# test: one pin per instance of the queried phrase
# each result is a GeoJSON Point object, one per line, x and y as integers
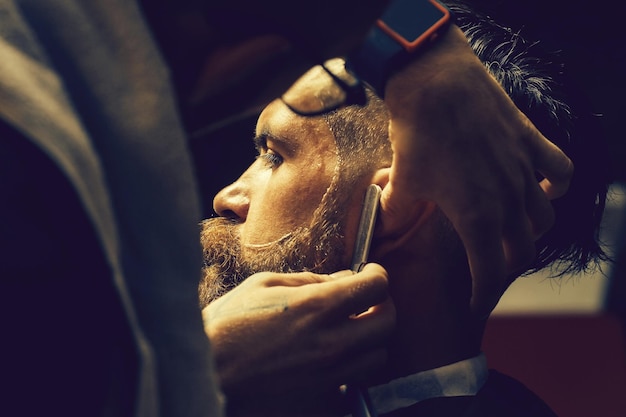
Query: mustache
{"type": "Point", "coordinates": [220, 240]}
{"type": "Point", "coordinates": [221, 253]}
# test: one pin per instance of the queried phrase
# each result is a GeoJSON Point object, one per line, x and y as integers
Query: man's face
{"type": "Point", "coordinates": [284, 186]}
{"type": "Point", "coordinates": [296, 208]}
{"type": "Point", "coordinates": [282, 214]}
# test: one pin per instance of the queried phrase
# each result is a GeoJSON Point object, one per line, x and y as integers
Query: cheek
{"type": "Point", "coordinates": [285, 201]}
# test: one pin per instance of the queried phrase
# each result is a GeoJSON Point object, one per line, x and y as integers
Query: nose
{"type": "Point", "coordinates": [232, 201]}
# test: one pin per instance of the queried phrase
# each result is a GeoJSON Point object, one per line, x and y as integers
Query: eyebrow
{"type": "Point", "coordinates": [260, 141]}
{"type": "Point", "coordinates": [284, 145]}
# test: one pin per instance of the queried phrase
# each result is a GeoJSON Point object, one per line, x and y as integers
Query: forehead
{"type": "Point", "coordinates": [313, 90]}
{"type": "Point", "coordinates": [293, 131]}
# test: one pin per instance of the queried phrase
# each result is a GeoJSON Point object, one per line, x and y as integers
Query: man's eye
{"type": "Point", "coordinates": [273, 160]}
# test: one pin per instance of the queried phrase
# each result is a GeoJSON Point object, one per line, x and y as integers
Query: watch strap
{"type": "Point", "coordinates": [406, 27]}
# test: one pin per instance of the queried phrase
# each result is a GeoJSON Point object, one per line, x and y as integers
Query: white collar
{"type": "Point", "coordinates": [461, 378]}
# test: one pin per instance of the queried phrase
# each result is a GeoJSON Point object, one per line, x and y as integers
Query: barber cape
{"type": "Point", "coordinates": [100, 256]}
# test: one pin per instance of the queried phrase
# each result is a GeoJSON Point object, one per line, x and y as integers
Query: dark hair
{"type": "Point", "coordinates": [537, 83]}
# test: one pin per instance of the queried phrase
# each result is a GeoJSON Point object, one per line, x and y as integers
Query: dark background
{"type": "Point", "coordinates": [591, 39]}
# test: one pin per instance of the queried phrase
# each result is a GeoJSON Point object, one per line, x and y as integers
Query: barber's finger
{"type": "Point", "coordinates": [296, 279]}
{"type": "Point", "coordinates": [517, 237]}
{"type": "Point", "coordinates": [394, 210]}
{"type": "Point", "coordinates": [553, 164]}
{"type": "Point", "coordinates": [518, 243]}
{"type": "Point", "coordinates": [539, 210]}
{"type": "Point", "coordinates": [383, 313]}
{"type": "Point", "coordinates": [370, 329]}
{"type": "Point", "coordinates": [483, 245]}
{"type": "Point", "coordinates": [357, 293]}
{"type": "Point", "coordinates": [369, 332]}
{"type": "Point", "coordinates": [341, 274]}
{"type": "Point", "coordinates": [554, 189]}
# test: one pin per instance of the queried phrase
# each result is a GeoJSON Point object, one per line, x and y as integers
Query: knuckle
{"type": "Point", "coordinates": [262, 279]}
{"type": "Point", "coordinates": [310, 277]}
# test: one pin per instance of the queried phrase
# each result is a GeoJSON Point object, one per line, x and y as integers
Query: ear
{"type": "Point", "coordinates": [381, 177]}
{"type": "Point", "coordinates": [414, 219]}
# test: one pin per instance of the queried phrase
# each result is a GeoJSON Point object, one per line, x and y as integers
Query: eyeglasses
{"type": "Point", "coordinates": [324, 88]}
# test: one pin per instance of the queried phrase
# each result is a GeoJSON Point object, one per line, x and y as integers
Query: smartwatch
{"type": "Point", "coordinates": [405, 28]}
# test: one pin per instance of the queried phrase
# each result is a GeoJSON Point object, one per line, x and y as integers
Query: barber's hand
{"type": "Point", "coordinates": [288, 341]}
{"type": "Point", "coordinates": [459, 141]}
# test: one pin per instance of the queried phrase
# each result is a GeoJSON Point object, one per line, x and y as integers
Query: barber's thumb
{"type": "Point", "coordinates": [341, 274]}
{"type": "Point", "coordinates": [397, 213]}
{"type": "Point", "coordinates": [391, 212]}
{"type": "Point", "coordinates": [295, 279]}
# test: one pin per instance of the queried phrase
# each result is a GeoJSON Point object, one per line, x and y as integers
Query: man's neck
{"type": "Point", "coordinates": [431, 290]}
{"type": "Point", "coordinates": [427, 336]}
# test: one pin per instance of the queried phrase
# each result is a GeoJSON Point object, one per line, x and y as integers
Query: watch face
{"type": "Point", "coordinates": [412, 23]}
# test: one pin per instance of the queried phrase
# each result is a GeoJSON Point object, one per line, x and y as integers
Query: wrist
{"type": "Point", "coordinates": [407, 28]}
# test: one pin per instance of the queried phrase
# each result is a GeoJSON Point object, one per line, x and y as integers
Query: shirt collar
{"type": "Point", "coordinates": [461, 378]}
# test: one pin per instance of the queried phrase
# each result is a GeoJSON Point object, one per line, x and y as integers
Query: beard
{"type": "Point", "coordinates": [226, 262]}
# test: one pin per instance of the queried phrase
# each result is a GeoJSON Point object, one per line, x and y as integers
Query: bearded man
{"type": "Point", "coordinates": [296, 208]}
